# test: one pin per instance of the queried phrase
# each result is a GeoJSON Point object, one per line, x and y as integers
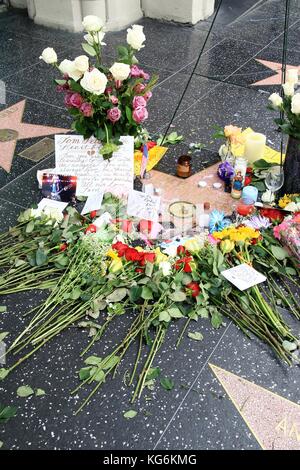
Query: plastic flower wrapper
{"type": "Point", "coordinates": [288, 232]}
{"type": "Point", "coordinates": [225, 171]}
{"type": "Point", "coordinates": [217, 221]}
{"type": "Point", "coordinates": [258, 222]}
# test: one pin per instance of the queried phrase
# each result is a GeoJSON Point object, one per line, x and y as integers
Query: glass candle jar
{"type": "Point", "coordinates": [245, 207]}
{"type": "Point", "coordinates": [184, 167]}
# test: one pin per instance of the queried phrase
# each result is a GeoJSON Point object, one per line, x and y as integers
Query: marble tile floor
{"type": "Point", "coordinates": [198, 413]}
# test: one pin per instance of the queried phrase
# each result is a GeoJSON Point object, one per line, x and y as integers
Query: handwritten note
{"type": "Point", "coordinates": [81, 158]}
{"type": "Point", "coordinates": [93, 203]}
{"type": "Point", "coordinates": [243, 276]}
{"type": "Point", "coordinates": [143, 206]}
{"type": "Point", "coordinates": [78, 157]}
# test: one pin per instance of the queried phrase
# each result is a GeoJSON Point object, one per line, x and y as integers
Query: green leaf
{"type": "Point", "coordinates": [110, 362]}
{"type": "Point", "coordinates": [76, 293]}
{"type": "Point", "coordinates": [99, 376]}
{"type": "Point", "coordinates": [147, 293]}
{"type": "Point", "coordinates": [177, 296]}
{"type": "Point", "coordinates": [279, 252]}
{"type": "Point", "coordinates": [25, 391]}
{"type": "Point", "coordinates": [153, 373]}
{"type": "Point", "coordinates": [203, 312]}
{"type": "Point", "coordinates": [135, 293]}
{"type": "Point", "coordinates": [149, 269]}
{"type": "Point", "coordinates": [174, 312]}
{"type": "Point", "coordinates": [164, 316]}
{"type": "Point", "coordinates": [84, 373]}
{"type": "Point", "coordinates": [291, 271]}
{"type": "Point", "coordinates": [196, 335]}
{"type": "Point", "coordinates": [289, 346]}
{"type": "Point", "coordinates": [3, 309]}
{"type": "Point", "coordinates": [7, 412]}
{"type": "Point", "coordinates": [167, 383]}
{"type": "Point", "coordinates": [88, 49]}
{"type": "Point", "coordinates": [40, 392]}
{"type": "Point", "coordinates": [122, 51]}
{"type": "Point", "coordinates": [3, 373]}
{"type": "Point", "coordinates": [40, 257]}
{"type": "Point", "coordinates": [117, 295]}
{"type": "Point", "coordinates": [1, 444]}
{"type": "Point", "coordinates": [30, 227]}
{"type": "Point", "coordinates": [130, 414]}
{"type": "Point", "coordinates": [93, 360]}
{"type": "Point", "coordinates": [3, 335]}
{"type": "Point", "coordinates": [216, 319]}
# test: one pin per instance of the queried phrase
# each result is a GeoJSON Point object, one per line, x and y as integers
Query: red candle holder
{"type": "Point", "coordinates": [245, 207]}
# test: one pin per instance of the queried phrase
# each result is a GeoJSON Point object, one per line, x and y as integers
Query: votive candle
{"type": "Point", "coordinates": [255, 144]}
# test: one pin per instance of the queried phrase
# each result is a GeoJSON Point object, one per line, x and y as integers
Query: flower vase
{"type": "Point", "coordinates": [291, 167]}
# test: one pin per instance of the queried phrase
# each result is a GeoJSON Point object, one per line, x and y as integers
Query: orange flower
{"type": "Point", "coordinates": [233, 133]}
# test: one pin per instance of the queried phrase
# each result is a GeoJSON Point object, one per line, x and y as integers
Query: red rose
{"type": "Point", "coordinates": [91, 229]}
{"type": "Point", "coordinates": [194, 288]}
{"type": "Point", "coordinates": [249, 170]}
{"type": "Point", "coordinates": [131, 254]}
{"type": "Point", "coordinates": [93, 214]}
{"type": "Point", "coordinates": [63, 247]}
{"type": "Point", "coordinates": [150, 257]}
{"type": "Point", "coordinates": [139, 270]}
{"type": "Point", "coordinates": [274, 215]}
{"type": "Point", "coordinates": [180, 250]}
{"type": "Point", "coordinates": [248, 180]}
{"type": "Point", "coordinates": [185, 263]}
{"type": "Point", "coordinates": [120, 248]}
{"type": "Point", "coordinates": [145, 226]}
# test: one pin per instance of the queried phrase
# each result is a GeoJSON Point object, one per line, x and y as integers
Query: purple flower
{"type": "Point", "coordinates": [140, 114]}
{"type": "Point", "coordinates": [139, 102]}
{"type": "Point", "coordinates": [87, 109]}
{"type": "Point", "coordinates": [225, 171]}
{"type": "Point", "coordinates": [76, 100]}
{"type": "Point", "coordinates": [258, 222]}
{"type": "Point", "coordinates": [114, 114]}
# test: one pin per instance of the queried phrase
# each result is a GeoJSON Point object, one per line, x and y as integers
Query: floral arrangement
{"type": "Point", "coordinates": [105, 102]}
{"type": "Point", "coordinates": [288, 232]}
{"type": "Point", "coordinates": [98, 269]}
{"type": "Point", "coordinates": [289, 104]}
{"type": "Point", "coordinates": [290, 202]}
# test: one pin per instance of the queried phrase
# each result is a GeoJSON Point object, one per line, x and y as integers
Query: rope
{"type": "Point", "coordinates": [193, 72]}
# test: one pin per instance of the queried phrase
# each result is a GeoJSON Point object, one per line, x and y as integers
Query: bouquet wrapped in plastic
{"type": "Point", "coordinates": [288, 232]}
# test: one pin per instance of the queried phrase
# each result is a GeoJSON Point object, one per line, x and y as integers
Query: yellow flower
{"type": "Point", "coordinates": [112, 254]}
{"type": "Point", "coordinates": [233, 133]}
{"type": "Point", "coordinates": [227, 246]}
{"type": "Point", "coordinates": [286, 199]}
{"type": "Point", "coordinates": [116, 265]}
{"type": "Point", "coordinates": [160, 257]}
{"type": "Point", "coordinates": [237, 234]}
{"type": "Point", "coordinates": [192, 245]}
{"type": "Point", "coordinates": [139, 248]}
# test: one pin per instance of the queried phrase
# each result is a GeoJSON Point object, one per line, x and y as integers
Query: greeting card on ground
{"type": "Point", "coordinates": [79, 157]}
{"type": "Point", "coordinates": [143, 206]}
{"type": "Point", "coordinates": [243, 276]}
{"type": "Point", "coordinates": [48, 204]}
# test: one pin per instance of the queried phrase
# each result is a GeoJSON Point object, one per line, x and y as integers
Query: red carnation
{"type": "Point", "coordinates": [180, 250]}
{"type": "Point", "coordinates": [131, 254]}
{"type": "Point", "coordinates": [194, 288]}
{"type": "Point", "coordinates": [274, 215]}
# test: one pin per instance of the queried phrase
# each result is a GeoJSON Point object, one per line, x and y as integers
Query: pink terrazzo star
{"type": "Point", "coordinates": [272, 419]}
{"type": "Point", "coordinates": [274, 79]}
{"type": "Point", "coordinates": [12, 129]}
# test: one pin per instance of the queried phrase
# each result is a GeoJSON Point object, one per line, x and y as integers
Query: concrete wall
{"type": "Point", "coordinates": [183, 11]}
{"type": "Point", "coordinates": [68, 14]}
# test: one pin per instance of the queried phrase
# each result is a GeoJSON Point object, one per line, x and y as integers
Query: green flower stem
{"type": "Point", "coordinates": [182, 332]}
{"type": "Point", "coordinates": [141, 318]}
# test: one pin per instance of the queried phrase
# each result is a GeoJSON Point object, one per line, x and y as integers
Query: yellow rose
{"type": "Point", "coordinates": [226, 246]}
{"type": "Point", "coordinates": [192, 245]}
{"type": "Point", "coordinates": [160, 257]}
{"type": "Point", "coordinates": [116, 265]}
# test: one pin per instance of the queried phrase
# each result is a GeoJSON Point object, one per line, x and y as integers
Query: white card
{"type": "Point", "coordinates": [93, 203]}
{"type": "Point", "coordinates": [243, 276]}
{"type": "Point", "coordinates": [51, 204]}
{"type": "Point", "coordinates": [143, 206]}
{"type": "Point", "coordinates": [78, 157]}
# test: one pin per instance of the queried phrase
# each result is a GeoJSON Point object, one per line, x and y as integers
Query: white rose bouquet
{"type": "Point", "coordinates": [105, 102]}
{"type": "Point", "coordinates": [289, 104]}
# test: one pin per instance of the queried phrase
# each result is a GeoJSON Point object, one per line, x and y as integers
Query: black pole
{"type": "Point", "coordinates": [193, 71]}
{"type": "Point", "coordinates": [283, 65]}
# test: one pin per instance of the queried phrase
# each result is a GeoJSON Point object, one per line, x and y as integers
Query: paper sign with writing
{"type": "Point", "coordinates": [243, 276]}
{"type": "Point", "coordinates": [81, 158]}
{"type": "Point", "coordinates": [51, 204]}
{"type": "Point", "coordinates": [143, 206]}
{"type": "Point", "coordinates": [118, 172]}
{"type": "Point", "coordinates": [93, 203]}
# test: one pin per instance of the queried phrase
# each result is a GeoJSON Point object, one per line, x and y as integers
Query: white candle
{"type": "Point", "coordinates": [254, 147]}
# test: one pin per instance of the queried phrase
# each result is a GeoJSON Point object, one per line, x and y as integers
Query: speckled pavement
{"type": "Point", "coordinates": [198, 413]}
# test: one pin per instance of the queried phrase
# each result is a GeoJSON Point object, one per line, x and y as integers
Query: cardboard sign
{"type": "Point", "coordinates": [143, 206]}
{"type": "Point", "coordinates": [243, 276]}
